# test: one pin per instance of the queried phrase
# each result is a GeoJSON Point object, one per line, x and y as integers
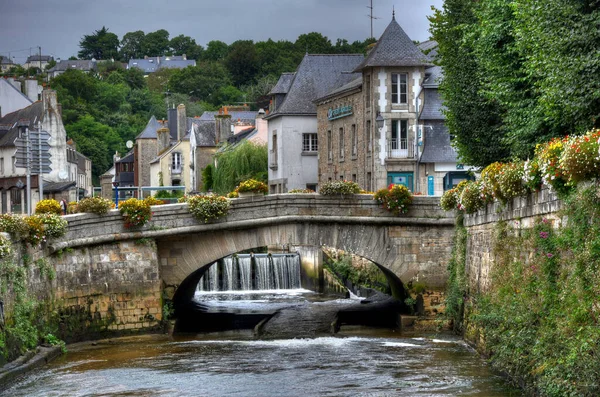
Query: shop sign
{"type": "Point", "coordinates": [340, 112]}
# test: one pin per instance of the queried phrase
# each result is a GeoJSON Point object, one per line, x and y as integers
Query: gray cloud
{"type": "Point", "coordinates": [58, 25]}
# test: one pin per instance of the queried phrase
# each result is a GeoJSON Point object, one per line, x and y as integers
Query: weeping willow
{"type": "Point", "coordinates": [245, 161]}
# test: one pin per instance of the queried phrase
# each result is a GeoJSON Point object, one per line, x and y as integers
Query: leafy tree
{"type": "Point", "coordinates": [156, 44]}
{"type": "Point", "coordinates": [132, 45]}
{"type": "Point", "coordinates": [202, 82]}
{"type": "Point", "coordinates": [244, 161]}
{"type": "Point", "coordinates": [215, 51]}
{"type": "Point", "coordinates": [313, 43]}
{"type": "Point", "coordinates": [472, 119]}
{"type": "Point", "coordinates": [134, 78]}
{"type": "Point", "coordinates": [100, 45]}
{"type": "Point", "coordinates": [181, 45]}
{"type": "Point", "coordinates": [242, 62]}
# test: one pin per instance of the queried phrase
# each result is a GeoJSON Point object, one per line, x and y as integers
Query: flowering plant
{"type": "Point", "coordinates": [35, 230]}
{"type": "Point", "coordinates": [548, 155]}
{"type": "Point", "coordinates": [183, 199]}
{"type": "Point", "coordinates": [209, 207]}
{"type": "Point", "coordinates": [471, 198]}
{"type": "Point", "coordinates": [135, 212]}
{"type": "Point", "coordinates": [449, 200]}
{"type": "Point", "coordinates": [95, 205]}
{"type": "Point", "coordinates": [580, 159]}
{"type": "Point", "coordinates": [339, 187]}
{"type": "Point", "coordinates": [54, 225]}
{"type": "Point", "coordinates": [532, 176]}
{"type": "Point", "coordinates": [301, 191]}
{"type": "Point", "coordinates": [48, 206]}
{"type": "Point", "coordinates": [233, 194]}
{"type": "Point", "coordinates": [510, 181]}
{"type": "Point", "coordinates": [5, 247]}
{"type": "Point", "coordinates": [252, 185]}
{"type": "Point", "coordinates": [153, 201]}
{"type": "Point", "coordinates": [13, 224]}
{"type": "Point", "coordinates": [72, 207]}
{"type": "Point", "coordinates": [490, 176]}
{"type": "Point", "coordinates": [396, 198]}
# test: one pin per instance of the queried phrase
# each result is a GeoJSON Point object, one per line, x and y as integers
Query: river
{"type": "Point", "coordinates": [358, 361]}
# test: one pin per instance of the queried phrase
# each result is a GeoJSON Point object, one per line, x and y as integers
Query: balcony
{"type": "Point", "coordinates": [176, 170]}
{"type": "Point", "coordinates": [401, 149]}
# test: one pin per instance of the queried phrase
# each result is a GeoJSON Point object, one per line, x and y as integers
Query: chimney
{"type": "Point", "coordinates": [172, 122]}
{"type": "Point", "coordinates": [31, 89]}
{"type": "Point", "coordinates": [181, 121]}
{"type": "Point", "coordinates": [50, 101]}
{"type": "Point", "coordinates": [223, 127]}
{"type": "Point", "coordinates": [164, 140]}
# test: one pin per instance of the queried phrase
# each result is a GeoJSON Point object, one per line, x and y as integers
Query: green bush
{"type": "Point", "coordinates": [95, 205]}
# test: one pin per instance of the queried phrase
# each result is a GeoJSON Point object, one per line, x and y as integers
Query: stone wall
{"type": "Point", "coordinates": [520, 213]}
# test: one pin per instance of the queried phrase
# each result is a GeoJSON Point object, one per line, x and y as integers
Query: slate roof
{"type": "Point", "coordinates": [84, 65]}
{"type": "Point", "coordinates": [354, 84]}
{"type": "Point", "coordinates": [438, 148]}
{"type": "Point", "coordinates": [394, 48]}
{"type": "Point", "coordinates": [432, 105]}
{"type": "Point", "coordinates": [244, 134]}
{"type": "Point", "coordinates": [127, 159]}
{"type": "Point", "coordinates": [37, 58]}
{"type": "Point", "coordinates": [4, 60]}
{"type": "Point", "coordinates": [246, 116]}
{"type": "Point", "coordinates": [205, 131]}
{"type": "Point", "coordinates": [283, 84]}
{"type": "Point", "coordinates": [56, 187]}
{"type": "Point", "coordinates": [429, 47]}
{"type": "Point", "coordinates": [433, 76]}
{"type": "Point", "coordinates": [8, 124]}
{"type": "Point", "coordinates": [150, 130]}
{"type": "Point", "coordinates": [152, 64]}
{"type": "Point", "coordinates": [315, 77]}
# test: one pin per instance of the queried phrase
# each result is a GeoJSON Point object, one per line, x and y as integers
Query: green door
{"type": "Point", "coordinates": [401, 178]}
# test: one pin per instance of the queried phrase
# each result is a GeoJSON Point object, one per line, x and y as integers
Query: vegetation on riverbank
{"type": "Point", "coordinates": [539, 320]}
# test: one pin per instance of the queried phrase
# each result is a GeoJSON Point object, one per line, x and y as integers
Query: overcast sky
{"type": "Point", "coordinates": [58, 25]}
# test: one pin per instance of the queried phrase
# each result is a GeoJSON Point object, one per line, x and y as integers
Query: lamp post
{"type": "Point", "coordinates": [379, 121]}
{"type": "Point", "coordinates": [116, 185]}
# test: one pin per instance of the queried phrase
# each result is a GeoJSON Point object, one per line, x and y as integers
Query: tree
{"type": "Point", "coordinates": [245, 161]}
{"type": "Point", "coordinates": [242, 62]}
{"type": "Point", "coordinates": [202, 82]}
{"type": "Point", "coordinates": [472, 119]}
{"type": "Point", "coordinates": [215, 51]}
{"type": "Point", "coordinates": [100, 45]}
{"type": "Point", "coordinates": [132, 45]}
{"type": "Point", "coordinates": [181, 45]}
{"type": "Point", "coordinates": [314, 43]}
{"type": "Point", "coordinates": [156, 44]}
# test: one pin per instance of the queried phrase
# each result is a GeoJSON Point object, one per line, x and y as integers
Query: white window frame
{"type": "Point", "coordinates": [400, 88]}
{"type": "Point", "coordinates": [310, 142]}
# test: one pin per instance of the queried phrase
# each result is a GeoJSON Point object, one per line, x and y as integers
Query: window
{"type": "Point", "coordinates": [368, 89]}
{"type": "Point", "coordinates": [341, 177]}
{"type": "Point", "coordinates": [399, 88]}
{"type": "Point", "coordinates": [312, 186]}
{"type": "Point", "coordinates": [14, 165]}
{"type": "Point", "coordinates": [2, 165]}
{"type": "Point", "coordinates": [369, 184]}
{"type": "Point", "coordinates": [274, 148]}
{"type": "Point", "coordinates": [354, 141]}
{"type": "Point", "coordinates": [176, 161]}
{"type": "Point", "coordinates": [369, 144]}
{"type": "Point", "coordinates": [309, 142]}
{"type": "Point", "coordinates": [341, 144]}
{"type": "Point", "coordinates": [399, 134]}
{"type": "Point", "coordinates": [353, 177]}
{"type": "Point", "coordinates": [329, 146]}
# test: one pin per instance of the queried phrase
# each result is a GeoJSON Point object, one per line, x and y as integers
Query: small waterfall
{"type": "Point", "coordinates": [252, 272]}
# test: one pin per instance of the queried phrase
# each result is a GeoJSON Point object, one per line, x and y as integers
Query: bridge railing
{"type": "Point", "coordinates": [249, 212]}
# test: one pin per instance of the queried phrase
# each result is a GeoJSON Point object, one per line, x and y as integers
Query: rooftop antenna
{"type": "Point", "coordinates": [372, 17]}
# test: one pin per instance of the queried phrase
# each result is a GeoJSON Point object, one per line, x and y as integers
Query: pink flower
{"type": "Point", "coordinates": [549, 255]}
{"type": "Point", "coordinates": [544, 234]}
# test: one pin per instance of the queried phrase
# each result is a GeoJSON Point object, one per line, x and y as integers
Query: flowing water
{"type": "Point", "coordinates": [375, 363]}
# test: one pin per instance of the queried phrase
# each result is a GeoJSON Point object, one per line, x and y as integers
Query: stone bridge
{"type": "Point", "coordinates": [110, 269]}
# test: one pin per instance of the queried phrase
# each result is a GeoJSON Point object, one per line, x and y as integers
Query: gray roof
{"type": "Point", "coordinates": [127, 159]}
{"type": "Point", "coordinates": [394, 48]}
{"type": "Point", "coordinates": [150, 130]}
{"type": "Point", "coordinates": [81, 64]}
{"type": "Point", "coordinates": [8, 124]}
{"type": "Point", "coordinates": [429, 47]}
{"type": "Point", "coordinates": [152, 64]}
{"type": "Point", "coordinates": [205, 131]}
{"type": "Point", "coordinates": [315, 77]}
{"type": "Point", "coordinates": [56, 187]}
{"type": "Point", "coordinates": [437, 144]}
{"type": "Point", "coordinates": [283, 85]}
{"type": "Point", "coordinates": [37, 58]}
{"type": "Point", "coordinates": [433, 76]}
{"type": "Point", "coordinates": [246, 116]}
{"type": "Point", "coordinates": [432, 105]}
{"type": "Point", "coordinates": [4, 60]}
{"type": "Point", "coordinates": [354, 84]}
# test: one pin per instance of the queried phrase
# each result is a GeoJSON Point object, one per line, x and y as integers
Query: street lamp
{"type": "Point", "coordinates": [116, 185]}
{"type": "Point", "coordinates": [379, 120]}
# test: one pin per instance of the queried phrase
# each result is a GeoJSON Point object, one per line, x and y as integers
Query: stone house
{"type": "Point", "coordinates": [6, 64]}
{"type": "Point", "coordinates": [62, 181]}
{"type": "Point", "coordinates": [292, 122]}
{"type": "Point", "coordinates": [38, 61]}
{"type": "Point", "coordinates": [387, 126]}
